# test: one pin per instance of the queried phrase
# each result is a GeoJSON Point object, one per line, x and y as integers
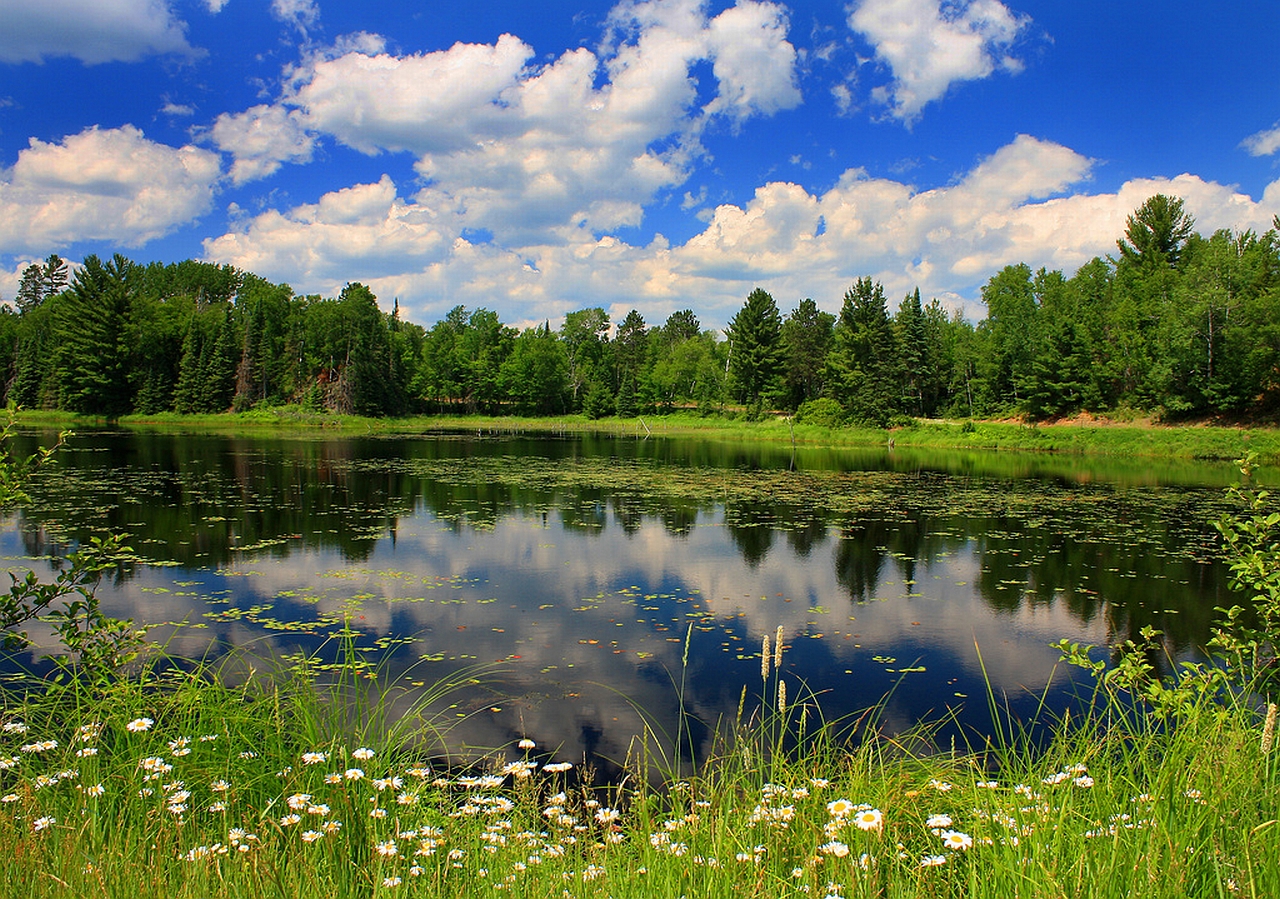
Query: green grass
{"type": "Point", "coordinates": [1100, 438]}
{"type": "Point", "coordinates": [274, 789]}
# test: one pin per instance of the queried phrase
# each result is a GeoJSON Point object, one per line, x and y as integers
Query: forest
{"type": "Point", "coordinates": [1175, 324]}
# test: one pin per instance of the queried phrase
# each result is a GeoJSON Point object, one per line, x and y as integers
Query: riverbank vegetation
{"type": "Point", "coordinates": [1080, 437]}
{"type": "Point", "coordinates": [1176, 326]}
{"type": "Point", "coordinates": [178, 785]}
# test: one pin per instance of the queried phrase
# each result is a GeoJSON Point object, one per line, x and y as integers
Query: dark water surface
{"type": "Point", "coordinates": [576, 569]}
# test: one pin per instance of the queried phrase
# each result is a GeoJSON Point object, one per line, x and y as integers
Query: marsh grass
{"type": "Point", "coordinates": [177, 784]}
{"type": "Point", "coordinates": [1113, 438]}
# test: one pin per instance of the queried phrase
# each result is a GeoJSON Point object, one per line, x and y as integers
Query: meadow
{"type": "Point", "coordinates": [177, 785]}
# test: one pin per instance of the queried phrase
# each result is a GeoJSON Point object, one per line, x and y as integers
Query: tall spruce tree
{"type": "Point", "coordinates": [864, 366]}
{"type": "Point", "coordinates": [92, 355]}
{"type": "Point", "coordinates": [755, 351]}
{"type": "Point", "coordinates": [807, 334]}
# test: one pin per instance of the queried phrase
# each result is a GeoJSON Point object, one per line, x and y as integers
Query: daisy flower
{"type": "Point", "coordinates": [840, 808]}
{"type": "Point", "coordinates": [138, 725]}
{"type": "Point", "coordinates": [869, 819]}
{"type": "Point", "coordinates": [362, 754]}
{"type": "Point", "coordinates": [956, 841]}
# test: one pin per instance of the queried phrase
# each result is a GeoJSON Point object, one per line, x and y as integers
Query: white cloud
{"type": "Point", "coordinates": [93, 31]}
{"type": "Point", "coordinates": [422, 103]}
{"type": "Point", "coordinates": [535, 152]}
{"type": "Point", "coordinates": [1264, 143]}
{"type": "Point", "coordinates": [102, 184]}
{"type": "Point", "coordinates": [1017, 205]}
{"type": "Point", "coordinates": [261, 139]}
{"type": "Point", "coordinates": [363, 233]}
{"type": "Point", "coordinates": [1009, 208]}
{"type": "Point", "coordinates": [929, 45]}
{"type": "Point", "coordinates": [753, 61]}
{"type": "Point", "coordinates": [301, 14]}
{"type": "Point", "coordinates": [215, 6]}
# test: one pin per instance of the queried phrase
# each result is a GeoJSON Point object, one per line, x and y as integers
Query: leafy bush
{"type": "Point", "coordinates": [823, 413]}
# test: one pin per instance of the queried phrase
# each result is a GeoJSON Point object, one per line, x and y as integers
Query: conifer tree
{"type": "Point", "coordinates": [755, 351]}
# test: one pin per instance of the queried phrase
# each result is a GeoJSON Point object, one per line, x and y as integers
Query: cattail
{"type": "Point", "coordinates": [764, 658]}
{"type": "Point", "coordinates": [777, 648]}
{"type": "Point", "coordinates": [782, 697]}
{"type": "Point", "coordinates": [1269, 729]}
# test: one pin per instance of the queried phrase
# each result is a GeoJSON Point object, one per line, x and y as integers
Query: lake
{"type": "Point", "coordinates": [597, 583]}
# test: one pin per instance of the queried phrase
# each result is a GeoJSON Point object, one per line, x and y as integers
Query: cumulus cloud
{"type": "Point", "coordinates": [536, 151]}
{"type": "Point", "coordinates": [1026, 202]}
{"type": "Point", "coordinates": [1264, 143]}
{"type": "Point", "coordinates": [930, 45]}
{"type": "Point", "coordinates": [421, 103]}
{"type": "Point", "coordinates": [1011, 207]}
{"type": "Point", "coordinates": [102, 184]}
{"type": "Point", "coordinates": [93, 31]}
{"type": "Point", "coordinates": [261, 139]}
{"type": "Point", "coordinates": [753, 60]}
{"type": "Point", "coordinates": [366, 228]}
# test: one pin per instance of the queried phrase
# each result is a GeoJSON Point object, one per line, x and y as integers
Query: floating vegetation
{"type": "Point", "coordinates": [587, 573]}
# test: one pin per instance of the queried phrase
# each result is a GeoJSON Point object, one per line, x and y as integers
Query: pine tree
{"type": "Point", "coordinates": [864, 366]}
{"type": "Point", "coordinates": [92, 356]}
{"type": "Point", "coordinates": [755, 351]}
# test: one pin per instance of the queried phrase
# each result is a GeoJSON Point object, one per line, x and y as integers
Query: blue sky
{"type": "Point", "coordinates": [536, 158]}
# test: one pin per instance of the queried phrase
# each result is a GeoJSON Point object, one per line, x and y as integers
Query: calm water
{"type": "Point", "coordinates": [576, 569]}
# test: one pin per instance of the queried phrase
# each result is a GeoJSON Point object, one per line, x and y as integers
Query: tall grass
{"type": "Point", "coordinates": [179, 785]}
{"type": "Point", "coordinates": [1114, 439]}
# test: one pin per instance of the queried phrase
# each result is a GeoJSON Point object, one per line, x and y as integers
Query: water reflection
{"type": "Point", "coordinates": [578, 569]}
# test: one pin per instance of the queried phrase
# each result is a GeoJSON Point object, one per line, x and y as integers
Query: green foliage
{"type": "Point", "coordinates": [1155, 233]}
{"type": "Point", "coordinates": [536, 374]}
{"type": "Point", "coordinates": [755, 350]}
{"type": "Point", "coordinates": [95, 645]}
{"type": "Point", "coordinates": [823, 413]}
{"type": "Point", "coordinates": [864, 366]}
{"type": "Point", "coordinates": [807, 335]}
{"type": "Point", "coordinates": [599, 401]}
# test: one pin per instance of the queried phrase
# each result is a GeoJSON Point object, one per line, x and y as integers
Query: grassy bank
{"type": "Point", "coordinates": [1092, 437]}
{"type": "Point", "coordinates": [185, 787]}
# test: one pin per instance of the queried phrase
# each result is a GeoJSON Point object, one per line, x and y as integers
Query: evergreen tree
{"type": "Point", "coordinates": [755, 351]}
{"type": "Point", "coordinates": [1156, 232]}
{"type": "Point", "coordinates": [41, 282]}
{"type": "Point", "coordinates": [807, 335]}
{"type": "Point", "coordinates": [864, 365]}
{"type": "Point", "coordinates": [631, 358]}
{"type": "Point", "coordinates": [186, 395]}
{"type": "Point", "coordinates": [92, 355]}
{"type": "Point", "coordinates": [218, 369]}
{"type": "Point", "coordinates": [914, 352]}
{"type": "Point", "coordinates": [1009, 331]}
{"type": "Point", "coordinates": [250, 372]}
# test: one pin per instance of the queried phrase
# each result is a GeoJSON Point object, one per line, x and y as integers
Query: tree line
{"type": "Point", "coordinates": [1175, 322]}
